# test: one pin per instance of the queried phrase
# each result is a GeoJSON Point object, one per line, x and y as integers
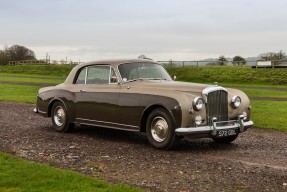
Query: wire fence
{"type": "Point", "coordinates": [43, 62]}
{"type": "Point", "coordinates": [252, 63]}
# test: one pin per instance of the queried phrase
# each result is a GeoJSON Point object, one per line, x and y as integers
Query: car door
{"type": "Point", "coordinates": [97, 96]}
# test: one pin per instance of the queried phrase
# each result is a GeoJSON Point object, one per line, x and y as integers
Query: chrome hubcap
{"type": "Point", "coordinates": [159, 129]}
{"type": "Point", "coordinates": [59, 116]}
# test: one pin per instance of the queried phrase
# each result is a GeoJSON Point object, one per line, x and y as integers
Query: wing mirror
{"type": "Point", "coordinates": [114, 79]}
{"type": "Point", "coordinates": [174, 78]}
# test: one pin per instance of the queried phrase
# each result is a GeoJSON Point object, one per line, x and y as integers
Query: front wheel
{"type": "Point", "coordinates": [160, 130]}
{"type": "Point", "coordinates": [225, 140]}
{"type": "Point", "coordinates": [59, 118]}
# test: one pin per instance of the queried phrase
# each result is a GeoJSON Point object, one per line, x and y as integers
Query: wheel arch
{"type": "Point", "coordinates": [148, 110]}
{"type": "Point", "coordinates": [52, 102]}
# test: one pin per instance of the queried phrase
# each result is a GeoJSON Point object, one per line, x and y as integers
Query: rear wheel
{"type": "Point", "coordinates": [160, 130]}
{"type": "Point", "coordinates": [225, 140]}
{"type": "Point", "coordinates": [59, 118]}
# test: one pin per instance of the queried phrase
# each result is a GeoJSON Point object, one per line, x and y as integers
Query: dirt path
{"type": "Point", "coordinates": [256, 161]}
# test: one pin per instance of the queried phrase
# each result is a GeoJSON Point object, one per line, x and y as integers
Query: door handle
{"type": "Point", "coordinates": [82, 91]}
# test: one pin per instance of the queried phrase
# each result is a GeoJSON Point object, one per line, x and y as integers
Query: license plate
{"type": "Point", "coordinates": [226, 133]}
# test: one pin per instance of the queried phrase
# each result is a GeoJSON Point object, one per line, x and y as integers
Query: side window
{"type": "Point", "coordinates": [82, 76]}
{"type": "Point", "coordinates": [97, 75]}
{"type": "Point", "coordinates": [101, 75]}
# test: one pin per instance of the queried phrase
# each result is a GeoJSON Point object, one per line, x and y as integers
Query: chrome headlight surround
{"type": "Point", "coordinates": [236, 101]}
{"type": "Point", "coordinates": [198, 103]}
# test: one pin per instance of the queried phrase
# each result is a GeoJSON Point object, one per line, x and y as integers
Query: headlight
{"type": "Point", "coordinates": [236, 101]}
{"type": "Point", "coordinates": [198, 103]}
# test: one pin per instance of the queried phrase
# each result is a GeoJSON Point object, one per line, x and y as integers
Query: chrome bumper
{"type": "Point", "coordinates": [212, 130]}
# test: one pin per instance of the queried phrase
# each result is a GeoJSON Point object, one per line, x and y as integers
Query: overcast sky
{"type": "Point", "coordinates": [161, 29]}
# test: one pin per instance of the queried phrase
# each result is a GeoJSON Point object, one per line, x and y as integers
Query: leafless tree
{"type": "Point", "coordinates": [275, 57]}
{"type": "Point", "coordinates": [18, 52]}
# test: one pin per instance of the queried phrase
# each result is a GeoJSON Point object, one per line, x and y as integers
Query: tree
{"type": "Point", "coordinates": [4, 59]}
{"type": "Point", "coordinates": [275, 57]}
{"type": "Point", "coordinates": [18, 52]}
{"type": "Point", "coordinates": [222, 60]}
{"type": "Point", "coordinates": [238, 60]}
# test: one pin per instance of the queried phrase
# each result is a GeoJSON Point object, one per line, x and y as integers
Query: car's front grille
{"type": "Point", "coordinates": [217, 106]}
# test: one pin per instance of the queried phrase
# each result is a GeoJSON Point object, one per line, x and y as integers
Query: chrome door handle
{"type": "Point", "coordinates": [82, 91]}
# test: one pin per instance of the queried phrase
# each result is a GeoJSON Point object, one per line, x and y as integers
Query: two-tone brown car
{"type": "Point", "coordinates": [139, 95]}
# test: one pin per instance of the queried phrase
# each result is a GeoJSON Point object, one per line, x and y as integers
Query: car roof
{"type": "Point", "coordinates": [116, 62]}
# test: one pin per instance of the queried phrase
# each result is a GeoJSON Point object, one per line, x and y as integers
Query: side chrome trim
{"type": "Point", "coordinates": [109, 127]}
{"type": "Point", "coordinates": [42, 112]}
{"type": "Point", "coordinates": [107, 122]}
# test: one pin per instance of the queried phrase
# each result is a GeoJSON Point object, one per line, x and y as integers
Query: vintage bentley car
{"type": "Point", "coordinates": [139, 95]}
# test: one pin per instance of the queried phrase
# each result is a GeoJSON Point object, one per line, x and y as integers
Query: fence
{"type": "Point", "coordinates": [253, 63]}
{"type": "Point", "coordinates": [42, 62]}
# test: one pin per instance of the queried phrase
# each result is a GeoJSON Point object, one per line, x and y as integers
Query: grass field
{"type": "Point", "coordinates": [36, 70]}
{"type": "Point", "coordinates": [226, 76]}
{"type": "Point", "coordinates": [230, 74]}
{"type": "Point", "coordinates": [18, 175]}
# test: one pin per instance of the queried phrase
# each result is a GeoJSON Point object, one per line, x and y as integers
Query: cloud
{"type": "Point", "coordinates": [161, 29]}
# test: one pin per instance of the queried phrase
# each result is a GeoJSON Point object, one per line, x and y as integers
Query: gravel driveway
{"type": "Point", "coordinates": [256, 161]}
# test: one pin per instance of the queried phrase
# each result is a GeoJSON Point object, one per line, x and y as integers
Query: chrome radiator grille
{"type": "Point", "coordinates": [217, 106]}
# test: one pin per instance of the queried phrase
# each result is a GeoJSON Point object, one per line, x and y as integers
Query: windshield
{"type": "Point", "coordinates": [135, 71]}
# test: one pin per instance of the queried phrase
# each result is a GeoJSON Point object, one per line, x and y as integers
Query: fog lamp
{"type": "Point", "coordinates": [198, 120]}
{"type": "Point", "coordinates": [245, 115]}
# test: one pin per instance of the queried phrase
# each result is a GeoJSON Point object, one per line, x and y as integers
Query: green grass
{"type": "Point", "coordinates": [18, 175]}
{"type": "Point", "coordinates": [47, 70]}
{"type": "Point", "coordinates": [54, 75]}
{"type": "Point", "coordinates": [230, 74]}
{"type": "Point", "coordinates": [18, 93]}
{"type": "Point", "coordinates": [30, 80]}
{"type": "Point", "coordinates": [264, 93]}
{"type": "Point", "coordinates": [269, 114]}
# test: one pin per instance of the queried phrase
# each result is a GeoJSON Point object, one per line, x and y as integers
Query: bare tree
{"type": "Point", "coordinates": [18, 52]}
{"type": "Point", "coordinates": [238, 60]}
{"type": "Point", "coordinates": [275, 57]}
